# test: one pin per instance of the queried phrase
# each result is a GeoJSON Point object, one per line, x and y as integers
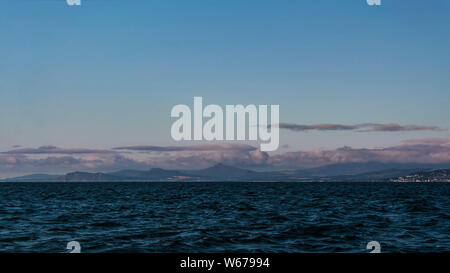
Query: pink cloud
{"type": "Point", "coordinates": [364, 127]}
{"type": "Point", "coordinates": [429, 150]}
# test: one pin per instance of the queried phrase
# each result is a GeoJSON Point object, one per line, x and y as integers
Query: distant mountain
{"type": "Point", "coordinates": [128, 173]}
{"type": "Point", "coordinates": [30, 178]}
{"type": "Point", "coordinates": [224, 172]}
{"type": "Point", "coordinates": [370, 172]}
{"type": "Point", "coordinates": [155, 174]}
{"type": "Point", "coordinates": [86, 177]}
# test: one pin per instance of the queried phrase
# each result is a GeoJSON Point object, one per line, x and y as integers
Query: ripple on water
{"type": "Point", "coordinates": [224, 217]}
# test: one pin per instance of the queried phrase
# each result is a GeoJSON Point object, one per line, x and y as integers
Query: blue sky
{"type": "Point", "coordinates": [107, 73]}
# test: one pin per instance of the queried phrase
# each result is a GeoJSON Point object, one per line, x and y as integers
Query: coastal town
{"type": "Point", "coordinates": [430, 176]}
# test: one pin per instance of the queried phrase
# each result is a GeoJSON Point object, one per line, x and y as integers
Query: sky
{"type": "Point", "coordinates": [107, 73]}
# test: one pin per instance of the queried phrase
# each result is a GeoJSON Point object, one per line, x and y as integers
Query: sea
{"type": "Point", "coordinates": [247, 217]}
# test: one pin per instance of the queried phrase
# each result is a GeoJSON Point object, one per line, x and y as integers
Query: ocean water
{"type": "Point", "coordinates": [224, 217]}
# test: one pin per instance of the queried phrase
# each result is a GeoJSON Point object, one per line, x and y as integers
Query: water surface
{"type": "Point", "coordinates": [224, 217]}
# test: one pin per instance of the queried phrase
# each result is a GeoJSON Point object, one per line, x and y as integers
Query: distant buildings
{"type": "Point", "coordinates": [425, 176]}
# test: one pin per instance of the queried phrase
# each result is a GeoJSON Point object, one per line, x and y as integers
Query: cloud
{"type": "Point", "coordinates": [319, 127]}
{"type": "Point", "coordinates": [392, 127]}
{"type": "Point", "coordinates": [192, 148]}
{"type": "Point", "coordinates": [23, 164]}
{"type": "Point", "coordinates": [445, 141]}
{"type": "Point", "coordinates": [364, 127]}
{"type": "Point", "coordinates": [427, 150]}
{"type": "Point", "coordinates": [205, 155]}
{"type": "Point", "coordinates": [201, 155]}
{"type": "Point", "coordinates": [51, 159]}
{"type": "Point", "coordinates": [408, 153]}
{"type": "Point", "coordinates": [53, 150]}
{"type": "Point", "coordinates": [199, 160]}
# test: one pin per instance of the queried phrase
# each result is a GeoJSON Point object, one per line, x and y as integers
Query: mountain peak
{"type": "Point", "coordinates": [224, 171]}
{"type": "Point", "coordinates": [221, 165]}
{"type": "Point", "coordinates": [87, 177]}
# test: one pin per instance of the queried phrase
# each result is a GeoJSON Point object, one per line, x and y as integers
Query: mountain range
{"type": "Point", "coordinates": [370, 172]}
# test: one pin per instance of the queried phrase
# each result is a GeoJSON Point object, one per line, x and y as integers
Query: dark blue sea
{"type": "Point", "coordinates": [224, 217]}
